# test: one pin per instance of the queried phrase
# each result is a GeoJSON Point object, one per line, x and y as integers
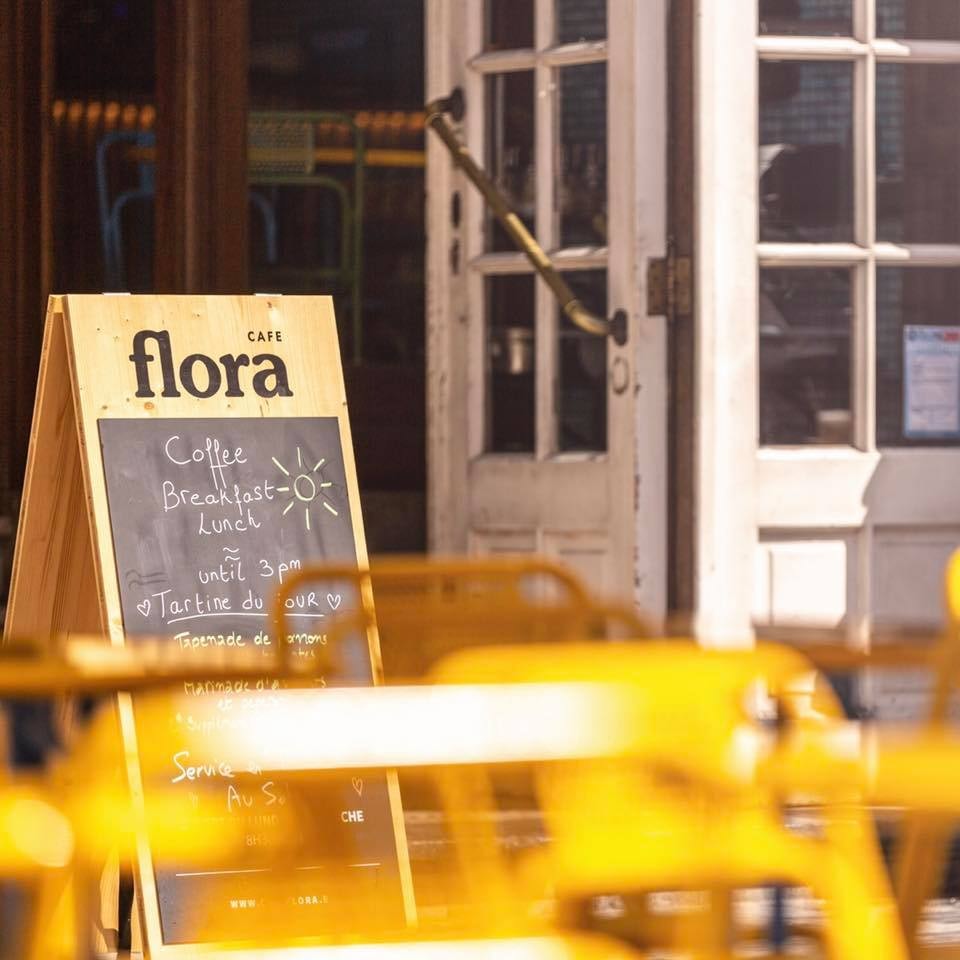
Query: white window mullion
{"type": "Point", "coordinates": [864, 178]}
{"type": "Point", "coordinates": [572, 258]}
{"type": "Point", "coordinates": [580, 258]}
{"type": "Point", "coordinates": [864, 352]}
{"type": "Point", "coordinates": [864, 20]}
{"type": "Point", "coordinates": [863, 343]}
{"type": "Point", "coordinates": [503, 61]}
{"type": "Point", "coordinates": [851, 254]}
{"type": "Point", "coordinates": [500, 264]}
{"type": "Point", "coordinates": [844, 48]}
{"type": "Point", "coordinates": [917, 254]}
{"type": "Point", "coordinates": [474, 133]}
{"type": "Point", "coordinates": [917, 51]}
{"type": "Point", "coordinates": [810, 254]}
{"type": "Point", "coordinates": [546, 103]}
{"type": "Point", "coordinates": [547, 108]}
{"type": "Point", "coordinates": [869, 352]}
{"type": "Point", "coordinates": [571, 54]}
{"type": "Point", "coordinates": [809, 48]}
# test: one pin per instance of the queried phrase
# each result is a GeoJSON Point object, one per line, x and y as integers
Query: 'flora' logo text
{"type": "Point", "coordinates": [268, 381]}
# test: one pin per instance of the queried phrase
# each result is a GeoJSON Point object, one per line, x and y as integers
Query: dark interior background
{"type": "Point", "coordinates": [364, 59]}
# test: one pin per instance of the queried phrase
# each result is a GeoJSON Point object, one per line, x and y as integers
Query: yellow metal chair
{"type": "Point", "coordinates": [99, 815]}
{"type": "Point", "coordinates": [924, 846]}
{"type": "Point", "coordinates": [424, 608]}
{"type": "Point", "coordinates": [699, 716]}
{"type": "Point", "coordinates": [658, 766]}
{"type": "Point", "coordinates": [59, 829]}
{"type": "Point", "coordinates": [694, 800]}
{"type": "Point", "coordinates": [930, 814]}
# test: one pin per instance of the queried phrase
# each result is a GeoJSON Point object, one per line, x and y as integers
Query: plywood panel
{"type": "Point", "coordinates": [101, 342]}
{"type": "Point", "coordinates": [150, 358]}
{"type": "Point", "coordinates": [52, 587]}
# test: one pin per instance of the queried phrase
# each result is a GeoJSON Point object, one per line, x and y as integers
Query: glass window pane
{"type": "Point", "coordinates": [810, 18]}
{"type": "Point", "coordinates": [918, 142]}
{"type": "Point", "coordinates": [509, 25]}
{"type": "Point", "coordinates": [511, 152]}
{"type": "Point", "coordinates": [805, 319]}
{"type": "Point", "coordinates": [918, 356]}
{"type": "Point", "coordinates": [511, 353]}
{"type": "Point", "coordinates": [581, 20]}
{"type": "Point", "coordinates": [582, 161]}
{"type": "Point", "coordinates": [806, 156]}
{"type": "Point", "coordinates": [582, 370]}
{"type": "Point", "coordinates": [919, 19]}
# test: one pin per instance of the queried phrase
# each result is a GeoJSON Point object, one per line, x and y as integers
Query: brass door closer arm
{"type": "Point", "coordinates": [578, 314]}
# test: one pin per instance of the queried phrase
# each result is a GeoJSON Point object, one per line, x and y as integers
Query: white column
{"type": "Point", "coordinates": [726, 337]}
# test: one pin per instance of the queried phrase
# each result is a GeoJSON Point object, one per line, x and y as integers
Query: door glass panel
{"type": "Point", "coordinates": [581, 20]}
{"type": "Point", "coordinates": [511, 153]}
{"type": "Point", "coordinates": [810, 18]}
{"type": "Point", "coordinates": [918, 142]}
{"type": "Point", "coordinates": [511, 354]}
{"type": "Point", "coordinates": [806, 158]}
{"type": "Point", "coordinates": [582, 160]}
{"type": "Point", "coordinates": [509, 25]}
{"type": "Point", "coordinates": [918, 356]}
{"type": "Point", "coordinates": [805, 321]}
{"type": "Point", "coordinates": [582, 370]}
{"type": "Point", "coordinates": [919, 19]}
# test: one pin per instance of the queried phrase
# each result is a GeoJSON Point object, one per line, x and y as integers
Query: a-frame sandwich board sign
{"type": "Point", "coordinates": [185, 452]}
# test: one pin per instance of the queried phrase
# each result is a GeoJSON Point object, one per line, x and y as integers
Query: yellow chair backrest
{"type": "Point", "coordinates": [693, 798]}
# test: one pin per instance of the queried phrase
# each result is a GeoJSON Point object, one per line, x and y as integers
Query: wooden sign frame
{"type": "Point", "coordinates": [64, 571]}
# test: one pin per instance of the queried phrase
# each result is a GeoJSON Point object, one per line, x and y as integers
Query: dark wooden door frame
{"type": "Point", "coordinates": [26, 91]}
{"type": "Point", "coordinates": [201, 240]}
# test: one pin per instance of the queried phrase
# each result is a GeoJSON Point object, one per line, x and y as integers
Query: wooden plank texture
{"type": "Point", "coordinates": [100, 333]}
{"type": "Point", "coordinates": [106, 384]}
{"type": "Point", "coordinates": [53, 586]}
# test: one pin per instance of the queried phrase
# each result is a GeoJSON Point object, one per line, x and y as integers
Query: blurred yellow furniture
{"type": "Point", "coordinates": [426, 607]}
{"type": "Point", "coordinates": [694, 800]}
{"type": "Point", "coordinates": [660, 769]}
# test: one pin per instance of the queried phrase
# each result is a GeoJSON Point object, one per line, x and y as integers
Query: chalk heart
{"type": "Point", "coordinates": [144, 608]}
{"type": "Point", "coordinates": [358, 786]}
{"type": "Point", "coordinates": [334, 600]}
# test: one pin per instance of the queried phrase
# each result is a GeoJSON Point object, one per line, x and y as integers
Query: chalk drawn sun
{"type": "Point", "coordinates": [306, 487]}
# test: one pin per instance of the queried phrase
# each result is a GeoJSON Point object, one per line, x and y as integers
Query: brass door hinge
{"type": "Point", "coordinates": [670, 286]}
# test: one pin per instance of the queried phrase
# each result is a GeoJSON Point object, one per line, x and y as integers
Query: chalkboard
{"type": "Point", "coordinates": [207, 517]}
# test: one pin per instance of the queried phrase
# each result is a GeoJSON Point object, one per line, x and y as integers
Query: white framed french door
{"type": "Point", "coordinates": [543, 438]}
{"type": "Point", "coordinates": [829, 281]}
